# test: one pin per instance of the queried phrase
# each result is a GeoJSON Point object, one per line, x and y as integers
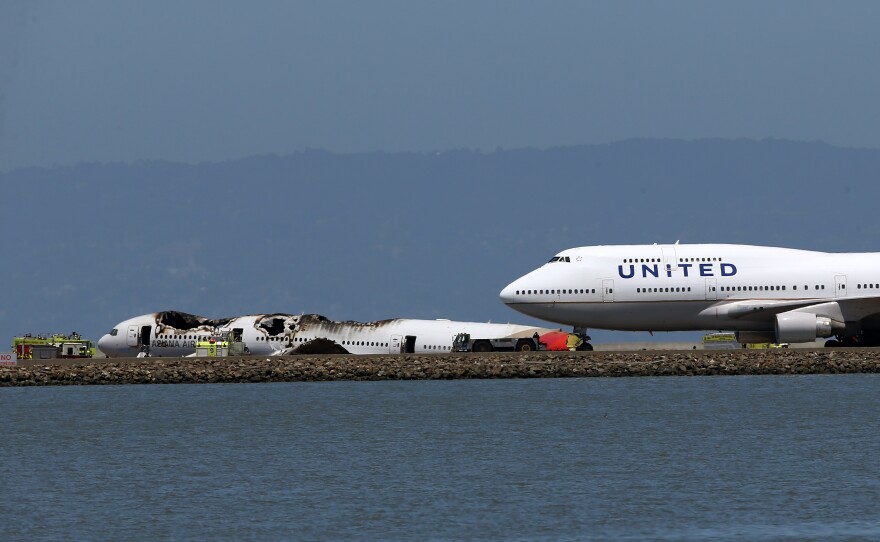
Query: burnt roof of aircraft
{"type": "Point", "coordinates": [182, 320]}
{"type": "Point", "coordinates": [273, 324]}
{"type": "Point", "coordinates": [318, 319]}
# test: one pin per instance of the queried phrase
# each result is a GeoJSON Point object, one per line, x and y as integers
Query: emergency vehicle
{"type": "Point", "coordinates": [52, 346]}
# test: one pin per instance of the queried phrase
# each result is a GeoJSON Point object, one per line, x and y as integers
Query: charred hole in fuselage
{"type": "Point", "coordinates": [273, 325]}
{"type": "Point", "coordinates": [182, 320]}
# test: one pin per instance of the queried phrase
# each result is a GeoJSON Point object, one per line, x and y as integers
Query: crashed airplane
{"type": "Point", "coordinates": [175, 334]}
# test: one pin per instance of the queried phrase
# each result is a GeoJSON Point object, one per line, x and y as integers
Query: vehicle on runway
{"type": "Point", "coordinates": [52, 346]}
{"type": "Point", "coordinates": [172, 333]}
{"type": "Point", "coordinates": [764, 294]}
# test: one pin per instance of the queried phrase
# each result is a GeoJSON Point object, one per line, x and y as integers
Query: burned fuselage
{"type": "Point", "coordinates": [173, 333]}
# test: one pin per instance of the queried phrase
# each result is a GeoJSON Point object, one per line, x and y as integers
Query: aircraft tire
{"type": "Point", "coordinates": [585, 347]}
{"type": "Point", "coordinates": [525, 345]}
{"type": "Point", "coordinates": [482, 347]}
{"type": "Point", "coordinates": [832, 344]}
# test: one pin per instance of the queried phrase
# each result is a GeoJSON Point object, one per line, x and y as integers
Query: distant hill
{"type": "Point", "coordinates": [376, 235]}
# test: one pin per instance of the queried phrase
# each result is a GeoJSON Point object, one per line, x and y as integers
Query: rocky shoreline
{"type": "Point", "coordinates": [441, 367]}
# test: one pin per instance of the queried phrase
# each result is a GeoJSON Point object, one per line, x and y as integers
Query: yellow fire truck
{"type": "Point", "coordinates": [52, 346]}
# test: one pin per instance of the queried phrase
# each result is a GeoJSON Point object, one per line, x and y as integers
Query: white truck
{"type": "Point", "coordinates": [463, 342]}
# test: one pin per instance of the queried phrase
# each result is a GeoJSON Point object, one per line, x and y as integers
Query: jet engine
{"type": "Point", "coordinates": [802, 327]}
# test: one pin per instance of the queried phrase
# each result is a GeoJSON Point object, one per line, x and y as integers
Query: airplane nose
{"type": "Point", "coordinates": [507, 294]}
{"type": "Point", "coordinates": [104, 344]}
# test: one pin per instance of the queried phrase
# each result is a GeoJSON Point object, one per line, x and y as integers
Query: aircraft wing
{"type": "Point", "coordinates": [848, 309]}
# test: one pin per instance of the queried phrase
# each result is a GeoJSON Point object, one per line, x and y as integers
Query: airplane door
{"type": "Point", "coordinates": [409, 344]}
{"type": "Point", "coordinates": [145, 334]}
{"type": "Point", "coordinates": [711, 292]}
{"type": "Point", "coordinates": [395, 346]}
{"type": "Point", "coordinates": [840, 286]}
{"type": "Point", "coordinates": [608, 290]}
{"type": "Point", "coordinates": [131, 339]}
{"type": "Point", "coordinates": [669, 259]}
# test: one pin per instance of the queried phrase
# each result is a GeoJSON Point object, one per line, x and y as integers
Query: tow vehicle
{"type": "Point", "coordinates": [553, 341]}
{"type": "Point", "coordinates": [463, 342]}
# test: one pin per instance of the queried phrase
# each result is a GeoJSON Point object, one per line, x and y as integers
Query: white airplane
{"type": "Point", "coordinates": [173, 334]}
{"type": "Point", "coordinates": [764, 294]}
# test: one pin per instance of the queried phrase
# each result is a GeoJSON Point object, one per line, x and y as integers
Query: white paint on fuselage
{"type": "Point", "coordinates": [615, 287]}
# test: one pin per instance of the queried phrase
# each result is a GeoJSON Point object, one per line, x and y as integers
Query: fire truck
{"type": "Point", "coordinates": [52, 346]}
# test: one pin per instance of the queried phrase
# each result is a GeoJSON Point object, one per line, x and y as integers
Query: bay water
{"type": "Point", "coordinates": [670, 458]}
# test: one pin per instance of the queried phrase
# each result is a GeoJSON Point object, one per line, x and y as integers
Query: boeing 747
{"type": "Point", "coordinates": [764, 294]}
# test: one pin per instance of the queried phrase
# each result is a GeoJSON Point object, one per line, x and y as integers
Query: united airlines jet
{"type": "Point", "coordinates": [173, 333]}
{"type": "Point", "coordinates": [764, 294]}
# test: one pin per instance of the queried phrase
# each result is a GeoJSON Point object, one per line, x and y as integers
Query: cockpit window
{"type": "Point", "coordinates": [114, 332]}
{"type": "Point", "coordinates": [560, 259]}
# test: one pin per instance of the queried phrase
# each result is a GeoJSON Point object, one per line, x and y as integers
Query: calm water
{"type": "Point", "coordinates": [740, 458]}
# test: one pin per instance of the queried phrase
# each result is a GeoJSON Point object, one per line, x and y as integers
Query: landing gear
{"type": "Point", "coordinates": [585, 347]}
{"type": "Point", "coordinates": [832, 344]}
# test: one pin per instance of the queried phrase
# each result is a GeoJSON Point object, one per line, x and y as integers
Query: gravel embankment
{"type": "Point", "coordinates": [442, 366]}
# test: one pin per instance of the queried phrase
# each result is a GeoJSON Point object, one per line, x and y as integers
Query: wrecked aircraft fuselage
{"type": "Point", "coordinates": [174, 333]}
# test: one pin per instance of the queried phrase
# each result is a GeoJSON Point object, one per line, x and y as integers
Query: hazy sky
{"type": "Point", "coordinates": [194, 81]}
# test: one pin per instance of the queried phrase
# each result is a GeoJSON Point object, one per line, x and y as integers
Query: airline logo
{"type": "Point", "coordinates": [173, 343]}
{"type": "Point", "coordinates": [689, 270]}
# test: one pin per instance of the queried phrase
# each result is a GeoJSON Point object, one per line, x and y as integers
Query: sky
{"type": "Point", "coordinates": [140, 85]}
{"type": "Point", "coordinates": [194, 81]}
